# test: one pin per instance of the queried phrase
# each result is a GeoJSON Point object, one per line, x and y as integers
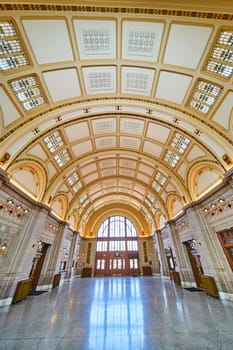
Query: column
{"type": "Point", "coordinates": [164, 269]}
{"type": "Point", "coordinates": [183, 265]}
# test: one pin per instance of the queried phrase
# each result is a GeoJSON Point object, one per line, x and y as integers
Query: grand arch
{"type": "Point", "coordinates": [131, 109]}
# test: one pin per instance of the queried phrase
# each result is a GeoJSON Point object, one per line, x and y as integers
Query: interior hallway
{"type": "Point", "coordinates": [118, 313]}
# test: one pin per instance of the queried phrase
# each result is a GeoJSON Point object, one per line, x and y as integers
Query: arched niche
{"type": "Point", "coordinates": [30, 177]}
{"type": "Point", "coordinates": [59, 205]}
{"type": "Point", "coordinates": [174, 205]}
{"type": "Point", "coordinates": [160, 220]}
{"type": "Point", "coordinates": [203, 178]}
{"type": "Point", "coordinates": [73, 220]}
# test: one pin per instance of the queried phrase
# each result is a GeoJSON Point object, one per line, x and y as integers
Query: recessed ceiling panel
{"type": "Point", "coordinates": [107, 163]}
{"type": "Point", "coordinates": [224, 113]}
{"type": "Point", "coordinates": [109, 183]}
{"type": "Point", "coordinates": [8, 109]}
{"type": "Point", "coordinates": [167, 86]}
{"type": "Point", "coordinates": [76, 132]}
{"type": "Point", "coordinates": [108, 172]}
{"type": "Point", "coordinates": [182, 170]}
{"type": "Point", "coordinates": [126, 172]}
{"type": "Point", "coordinates": [125, 184]}
{"type": "Point", "coordinates": [137, 80]}
{"type": "Point", "coordinates": [100, 79]}
{"type": "Point", "coordinates": [94, 189]}
{"type": "Point", "coordinates": [186, 44]}
{"type": "Point", "coordinates": [104, 125]}
{"type": "Point", "coordinates": [195, 152]}
{"type": "Point", "coordinates": [91, 178]}
{"type": "Point", "coordinates": [49, 39]}
{"type": "Point", "coordinates": [152, 148]}
{"type": "Point", "coordinates": [82, 148]}
{"type": "Point", "coordinates": [126, 163]}
{"type": "Point", "coordinates": [140, 189]}
{"type": "Point", "coordinates": [70, 84]}
{"type": "Point", "coordinates": [51, 169]}
{"type": "Point", "coordinates": [146, 169]}
{"type": "Point", "coordinates": [141, 40]}
{"type": "Point", "coordinates": [129, 142]}
{"type": "Point", "coordinates": [88, 169]}
{"type": "Point", "coordinates": [38, 151]}
{"type": "Point", "coordinates": [158, 132]}
{"type": "Point", "coordinates": [96, 38]}
{"type": "Point", "coordinates": [143, 178]}
{"type": "Point", "coordinates": [105, 142]}
{"type": "Point", "coordinates": [130, 125]}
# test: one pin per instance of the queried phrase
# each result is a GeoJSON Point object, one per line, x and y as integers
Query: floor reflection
{"type": "Point", "coordinates": [116, 310]}
{"type": "Point", "coordinates": [118, 313]}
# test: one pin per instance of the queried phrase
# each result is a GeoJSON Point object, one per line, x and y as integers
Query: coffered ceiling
{"type": "Point", "coordinates": [116, 105]}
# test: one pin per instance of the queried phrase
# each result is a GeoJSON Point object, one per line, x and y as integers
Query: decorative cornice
{"type": "Point", "coordinates": [115, 10]}
{"type": "Point", "coordinates": [146, 101]}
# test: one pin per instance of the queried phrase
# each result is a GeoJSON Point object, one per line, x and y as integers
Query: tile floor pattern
{"type": "Point", "coordinates": [140, 313]}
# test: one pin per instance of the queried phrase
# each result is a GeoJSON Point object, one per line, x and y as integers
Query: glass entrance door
{"type": "Point", "coordinates": [117, 248]}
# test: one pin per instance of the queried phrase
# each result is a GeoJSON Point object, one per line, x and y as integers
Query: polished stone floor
{"type": "Point", "coordinates": [140, 313]}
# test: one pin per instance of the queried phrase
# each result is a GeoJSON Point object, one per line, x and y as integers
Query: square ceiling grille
{"type": "Point", "coordinates": [100, 79]}
{"type": "Point", "coordinates": [137, 80]}
{"type": "Point", "coordinates": [12, 54]}
{"type": "Point", "coordinates": [130, 142]}
{"type": "Point", "coordinates": [141, 40]}
{"type": "Point", "coordinates": [141, 43]}
{"type": "Point", "coordinates": [127, 163]}
{"type": "Point", "coordinates": [96, 39]}
{"type": "Point", "coordinates": [105, 142]}
{"type": "Point", "coordinates": [132, 125]}
{"type": "Point", "coordinates": [104, 125]}
{"type": "Point", "coordinates": [107, 163]}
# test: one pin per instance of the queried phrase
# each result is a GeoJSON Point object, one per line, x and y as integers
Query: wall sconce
{"type": "Point", "coordinates": [195, 241]}
{"type": "Point", "coordinates": [221, 200]}
{"type": "Point", "coordinates": [10, 201]}
{"type": "Point", "coordinates": [3, 244]}
{"type": "Point", "coordinates": [15, 210]}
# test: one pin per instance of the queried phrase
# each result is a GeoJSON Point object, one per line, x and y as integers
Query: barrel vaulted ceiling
{"type": "Point", "coordinates": [109, 105]}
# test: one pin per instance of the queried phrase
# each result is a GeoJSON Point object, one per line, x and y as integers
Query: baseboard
{"type": "Point", "coordinates": [225, 296]}
{"type": "Point", "coordinates": [6, 302]}
{"type": "Point", "coordinates": [186, 284]}
{"type": "Point", "coordinates": [44, 287]}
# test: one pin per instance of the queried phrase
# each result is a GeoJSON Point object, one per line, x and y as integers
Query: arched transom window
{"type": "Point", "coordinates": [117, 247]}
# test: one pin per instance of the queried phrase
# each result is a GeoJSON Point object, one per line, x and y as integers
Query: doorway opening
{"type": "Point", "coordinates": [195, 261]}
{"type": "Point", "coordinates": [117, 248]}
{"type": "Point", "coordinates": [37, 264]}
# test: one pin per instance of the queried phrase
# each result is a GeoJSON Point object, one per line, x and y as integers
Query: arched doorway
{"type": "Point", "coordinates": [117, 248]}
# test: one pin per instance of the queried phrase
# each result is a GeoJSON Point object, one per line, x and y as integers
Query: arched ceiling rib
{"type": "Point", "coordinates": [125, 106]}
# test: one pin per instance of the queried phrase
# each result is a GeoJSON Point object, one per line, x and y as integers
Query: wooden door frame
{"type": "Point", "coordinates": [39, 264]}
{"type": "Point", "coordinates": [193, 261]}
